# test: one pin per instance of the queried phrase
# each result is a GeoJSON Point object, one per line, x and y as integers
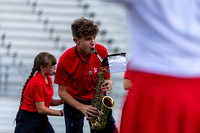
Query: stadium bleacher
{"type": "Point", "coordinates": [28, 27]}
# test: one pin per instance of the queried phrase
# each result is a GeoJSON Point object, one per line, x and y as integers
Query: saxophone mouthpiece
{"type": "Point", "coordinates": [94, 51]}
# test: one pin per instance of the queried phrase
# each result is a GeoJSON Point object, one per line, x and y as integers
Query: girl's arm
{"type": "Point", "coordinates": [45, 110]}
{"type": "Point", "coordinates": [56, 102]}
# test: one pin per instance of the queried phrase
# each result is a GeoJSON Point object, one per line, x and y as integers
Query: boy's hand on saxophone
{"type": "Point", "coordinates": [89, 111]}
{"type": "Point", "coordinates": [108, 84]}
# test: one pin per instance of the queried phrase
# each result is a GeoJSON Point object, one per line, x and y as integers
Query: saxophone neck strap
{"type": "Point", "coordinates": [90, 71]}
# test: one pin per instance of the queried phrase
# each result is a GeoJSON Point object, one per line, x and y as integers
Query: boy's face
{"type": "Point", "coordinates": [85, 44]}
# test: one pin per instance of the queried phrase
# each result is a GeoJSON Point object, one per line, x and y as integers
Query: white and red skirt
{"type": "Point", "coordinates": [162, 104]}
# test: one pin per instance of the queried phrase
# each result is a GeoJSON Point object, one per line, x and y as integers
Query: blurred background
{"type": "Point", "coordinates": [28, 27]}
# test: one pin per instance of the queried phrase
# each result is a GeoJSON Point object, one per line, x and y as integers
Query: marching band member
{"type": "Point", "coordinates": [166, 51]}
{"type": "Point", "coordinates": [76, 77]}
{"type": "Point", "coordinates": [37, 96]}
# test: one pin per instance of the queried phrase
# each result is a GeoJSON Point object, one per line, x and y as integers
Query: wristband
{"type": "Point", "coordinates": [61, 112]}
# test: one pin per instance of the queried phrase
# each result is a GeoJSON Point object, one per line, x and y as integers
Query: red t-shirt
{"type": "Point", "coordinates": [73, 72]}
{"type": "Point", "coordinates": [37, 90]}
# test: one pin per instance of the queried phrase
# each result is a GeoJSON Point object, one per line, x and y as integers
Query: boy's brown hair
{"type": "Point", "coordinates": [84, 27]}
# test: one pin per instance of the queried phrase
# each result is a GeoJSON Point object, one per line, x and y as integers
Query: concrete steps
{"type": "Point", "coordinates": [28, 32]}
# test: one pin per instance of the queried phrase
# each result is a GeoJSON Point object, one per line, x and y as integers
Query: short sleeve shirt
{"type": "Point", "coordinates": [37, 90]}
{"type": "Point", "coordinates": [74, 72]}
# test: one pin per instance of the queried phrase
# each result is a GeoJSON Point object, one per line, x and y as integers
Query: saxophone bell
{"type": "Point", "coordinates": [108, 102]}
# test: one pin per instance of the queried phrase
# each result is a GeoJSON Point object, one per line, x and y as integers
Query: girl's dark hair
{"type": "Point", "coordinates": [42, 59]}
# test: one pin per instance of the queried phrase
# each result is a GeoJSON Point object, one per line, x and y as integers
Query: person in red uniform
{"type": "Point", "coordinates": [76, 76]}
{"type": "Point", "coordinates": [128, 77]}
{"type": "Point", "coordinates": [164, 43]}
{"type": "Point", "coordinates": [37, 96]}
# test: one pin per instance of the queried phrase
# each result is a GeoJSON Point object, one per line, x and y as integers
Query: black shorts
{"type": "Point", "coordinates": [32, 122]}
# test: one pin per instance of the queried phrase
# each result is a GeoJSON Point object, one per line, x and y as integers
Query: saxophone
{"type": "Point", "coordinates": [100, 101]}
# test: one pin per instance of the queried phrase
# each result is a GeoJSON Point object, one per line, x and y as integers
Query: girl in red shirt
{"type": "Point", "coordinates": [37, 96]}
